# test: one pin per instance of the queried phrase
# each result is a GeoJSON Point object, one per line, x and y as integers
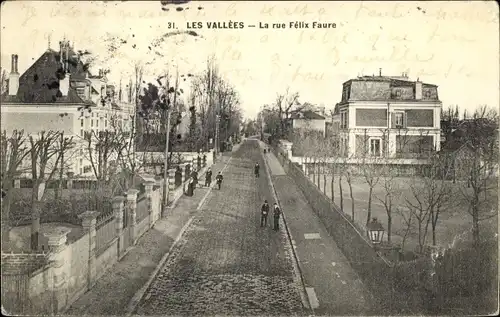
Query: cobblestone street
{"type": "Point", "coordinates": [225, 263]}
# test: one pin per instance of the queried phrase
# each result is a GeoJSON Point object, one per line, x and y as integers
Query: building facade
{"type": "Point", "coordinates": [309, 120]}
{"type": "Point", "coordinates": [58, 93]}
{"type": "Point", "coordinates": [388, 116]}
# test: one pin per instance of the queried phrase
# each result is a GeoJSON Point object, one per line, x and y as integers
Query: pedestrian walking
{"type": "Point", "coordinates": [264, 212]}
{"type": "Point", "coordinates": [219, 179]}
{"type": "Point", "coordinates": [194, 176]}
{"type": "Point", "coordinates": [190, 189]}
{"type": "Point", "coordinates": [208, 177]}
{"type": "Point", "coordinates": [277, 213]}
{"type": "Point", "coordinates": [256, 169]}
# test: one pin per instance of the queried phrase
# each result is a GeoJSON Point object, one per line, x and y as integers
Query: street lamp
{"type": "Point", "coordinates": [375, 231]}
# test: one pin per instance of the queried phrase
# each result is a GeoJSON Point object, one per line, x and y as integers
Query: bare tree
{"type": "Point", "coordinates": [428, 198]}
{"type": "Point", "coordinates": [285, 103]}
{"type": "Point", "coordinates": [46, 151]}
{"type": "Point", "coordinates": [408, 224]}
{"type": "Point", "coordinates": [370, 169]}
{"type": "Point", "coordinates": [13, 152]}
{"type": "Point", "coordinates": [477, 160]}
{"type": "Point", "coordinates": [391, 189]}
{"type": "Point", "coordinates": [3, 81]}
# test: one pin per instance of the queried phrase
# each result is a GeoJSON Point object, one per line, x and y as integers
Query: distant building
{"type": "Point", "coordinates": [388, 116]}
{"type": "Point", "coordinates": [307, 119]}
{"type": "Point", "coordinates": [58, 93]}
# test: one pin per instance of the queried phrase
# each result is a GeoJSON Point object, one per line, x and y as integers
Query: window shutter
{"type": "Point", "coordinates": [405, 121]}
{"type": "Point", "coordinates": [393, 120]}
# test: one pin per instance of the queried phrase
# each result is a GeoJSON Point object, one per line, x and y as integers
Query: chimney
{"type": "Point", "coordinates": [64, 84]}
{"type": "Point", "coordinates": [125, 94]}
{"type": "Point", "coordinates": [66, 69]}
{"type": "Point", "coordinates": [380, 72]}
{"type": "Point", "coordinates": [14, 77]}
{"type": "Point", "coordinates": [418, 90]}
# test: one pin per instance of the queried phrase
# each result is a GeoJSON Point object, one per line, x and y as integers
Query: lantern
{"type": "Point", "coordinates": [375, 231]}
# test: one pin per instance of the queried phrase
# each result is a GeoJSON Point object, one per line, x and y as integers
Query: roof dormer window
{"type": "Point", "coordinates": [81, 92]}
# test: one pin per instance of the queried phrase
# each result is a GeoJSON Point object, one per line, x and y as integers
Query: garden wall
{"type": "Point", "coordinates": [376, 273]}
{"type": "Point", "coordinates": [455, 280]}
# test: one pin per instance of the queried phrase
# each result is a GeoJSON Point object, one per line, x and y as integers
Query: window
{"type": "Point", "coordinates": [86, 169]}
{"type": "Point", "coordinates": [97, 123]}
{"type": "Point", "coordinates": [81, 162]}
{"type": "Point", "coordinates": [92, 121]}
{"type": "Point", "coordinates": [343, 120]}
{"type": "Point", "coordinates": [81, 92]}
{"type": "Point", "coordinates": [81, 133]}
{"type": "Point", "coordinates": [375, 148]}
{"type": "Point", "coordinates": [81, 123]}
{"type": "Point", "coordinates": [399, 119]}
{"type": "Point", "coordinates": [106, 123]}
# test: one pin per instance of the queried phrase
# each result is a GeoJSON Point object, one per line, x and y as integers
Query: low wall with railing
{"type": "Point", "coordinates": [50, 282]}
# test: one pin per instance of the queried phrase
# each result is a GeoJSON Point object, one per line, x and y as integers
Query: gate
{"type": "Point", "coordinates": [15, 296]}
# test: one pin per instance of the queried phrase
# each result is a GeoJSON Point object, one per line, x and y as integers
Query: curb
{"type": "Point", "coordinates": [290, 239]}
{"type": "Point", "coordinates": [132, 305]}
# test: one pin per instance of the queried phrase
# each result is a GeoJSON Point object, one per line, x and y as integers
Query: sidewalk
{"type": "Point", "coordinates": [113, 292]}
{"type": "Point", "coordinates": [332, 285]}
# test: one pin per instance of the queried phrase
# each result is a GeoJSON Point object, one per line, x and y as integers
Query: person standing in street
{"type": "Point", "coordinates": [219, 179]}
{"type": "Point", "coordinates": [194, 176]}
{"type": "Point", "coordinates": [264, 212]}
{"type": "Point", "coordinates": [256, 169]}
{"type": "Point", "coordinates": [208, 177]}
{"type": "Point", "coordinates": [277, 214]}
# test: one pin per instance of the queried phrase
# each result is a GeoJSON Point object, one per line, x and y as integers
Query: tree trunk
{"type": "Point", "coordinates": [341, 194]}
{"type": "Point", "coordinates": [324, 181]}
{"type": "Point", "coordinates": [352, 200]}
{"type": "Point", "coordinates": [389, 227]}
{"type": "Point", "coordinates": [475, 225]}
{"type": "Point", "coordinates": [318, 166]}
{"type": "Point", "coordinates": [36, 210]}
{"type": "Point", "coordinates": [332, 184]}
{"type": "Point", "coordinates": [314, 171]}
{"type": "Point", "coordinates": [369, 213]}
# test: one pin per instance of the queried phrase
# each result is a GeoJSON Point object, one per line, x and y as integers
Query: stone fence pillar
{"type": "Point", "coordinates": [171, 184]}
{"type": "Point", "coordinates": [57, 244]}
{"type": "Point", "coordinates": [149, 201]}
{"type": "Point", "coordinates": [89, 221]}
{"type": "Point", "coordinates": [118, 212]}
{"type": "Point", "coordinates": [132, 213]}
{"type": "Point", "coordinates": [157, 214]}
{"type": "Point", "coordinates": [194, 164]}
{"type": "Point", "coordinates": [183, 169]}
{"type": "Point", "coordinates": [17, 183]}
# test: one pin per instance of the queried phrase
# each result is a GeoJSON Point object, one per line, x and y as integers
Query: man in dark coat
{"type": "Point", "coordinates": [194, 176]}
{"type": "Point", "coordinates": [277, 214]}
{"type": "Point", "coordinates": [219, 179]}
{"type": "Point", "coordinates": [264, 212]}
{"type": "Point", "coordinates": [208, 177]}
{"type": "Point", "coordinates": [256, 169]}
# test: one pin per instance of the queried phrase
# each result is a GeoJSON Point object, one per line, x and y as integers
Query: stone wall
{"type": "Point", "coordinates": [22, 263]}
{"type": "Point", "coordinates": [374, 270]}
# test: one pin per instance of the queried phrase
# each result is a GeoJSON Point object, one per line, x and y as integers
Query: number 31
{"type": "Point", "coordinates": [171, 25]}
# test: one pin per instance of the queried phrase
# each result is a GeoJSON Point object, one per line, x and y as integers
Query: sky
{"type": "Point", "coordinates": [454, 45]}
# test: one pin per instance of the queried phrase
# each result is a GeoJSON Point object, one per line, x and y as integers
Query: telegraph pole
{"type": "Point", "coordinates": [165, 164]}
{"type": "Point", "coordinates": [216, 141]}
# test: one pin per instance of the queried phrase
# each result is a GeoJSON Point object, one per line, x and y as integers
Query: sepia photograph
{"type": "Point", "coordinates": [249, 158]}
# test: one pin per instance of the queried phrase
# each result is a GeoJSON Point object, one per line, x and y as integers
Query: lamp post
{"type": "Point", "coordinates": [375, 232]}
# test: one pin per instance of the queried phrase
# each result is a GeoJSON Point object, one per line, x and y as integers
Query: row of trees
{"type": "Point", "coordinates": [431, 194]}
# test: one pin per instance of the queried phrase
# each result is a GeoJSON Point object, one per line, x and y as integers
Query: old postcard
{"type": "Point", "coordinates": [256, 158]}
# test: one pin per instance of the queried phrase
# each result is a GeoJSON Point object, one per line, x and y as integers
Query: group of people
{"type": "Point", "coordinates": [218, 178]}
{"type": "Point", "coordinates": [265, 212]}
{"type": "Point", "coordinates": [208, 180]}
